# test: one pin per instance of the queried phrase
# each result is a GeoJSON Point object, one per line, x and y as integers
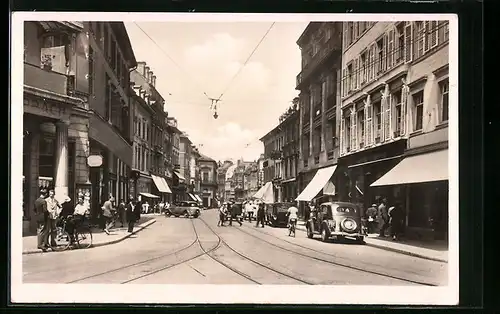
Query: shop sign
{"type": "Point", "coordinates": [94, 160]}
{"type": "Point", "coordinates": [45, 108]}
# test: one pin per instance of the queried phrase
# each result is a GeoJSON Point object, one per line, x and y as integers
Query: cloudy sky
{"type": "Point", "coordinates": [204, 57]}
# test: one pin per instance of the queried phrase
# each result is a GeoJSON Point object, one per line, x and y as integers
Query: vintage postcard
{"type": "Point", "coordinates": [193, 158]}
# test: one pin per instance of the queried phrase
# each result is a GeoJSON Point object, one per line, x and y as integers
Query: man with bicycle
{"type": "Point", "coordinates": [292, 218]}
{"type": "Point", "coordinates": [76, 220]}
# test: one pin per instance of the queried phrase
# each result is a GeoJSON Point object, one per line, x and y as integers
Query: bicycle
{"type": "Point", "coordinates": [82, 237]}
{"type": "Point", "coordinates": [291, 227]}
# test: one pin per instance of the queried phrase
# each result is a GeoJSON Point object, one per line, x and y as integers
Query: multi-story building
{"type": "Point", "coordinates": [260, 177]}
{"type": "Point", "coordinates": [319, 86]}
{"type": "Point", "coordinates": [221, 178]}
{"type": "Point", "coordinates": [111, 59]}
{"type": "Point", "coordinates": [172, 136]}
{"type": "Point", "coordinates": [251, 180]}
{"type": "Point", "coordinates": [57, 61]}
{"type": "Point", "coordinates": [195, 170]}
{"type": "Point", "coordinates": [182, 171]}
{"type": "Point", "coordinates": [281, 155]}
{"type": "Point", "coordinates": [150, 152]}
{"type": "Point", "coordinates": [395, 115]}
{"type": "Point", "coordinates": [208, 180]}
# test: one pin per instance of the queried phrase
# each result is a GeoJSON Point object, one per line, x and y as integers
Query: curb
{"type": "Point", "coordinates": [139, 228]}
{"type": "Point", "coordinates": [386, 248]}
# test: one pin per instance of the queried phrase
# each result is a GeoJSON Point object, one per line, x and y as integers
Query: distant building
{"type": "Point", "coordinates": [221, 178]}
{"type": "Point", "coordinates": [208, 180]}
{"type": "Point", "coordinates": [251, 180]}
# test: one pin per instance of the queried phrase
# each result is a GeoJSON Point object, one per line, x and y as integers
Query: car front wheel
{"type": "Point", "coordinates": [324, 235]}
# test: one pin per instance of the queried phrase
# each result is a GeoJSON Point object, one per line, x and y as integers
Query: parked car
{"type": "Point", "coordinates": [187, 209]}
{"type": "Point", "coordinates": [336, 219]}
{"type": "Point", "coordinates": [276, 214]}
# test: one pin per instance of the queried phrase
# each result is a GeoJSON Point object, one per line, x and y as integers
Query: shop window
{"type": "Point", "coordinates": [418, 103]}
{"type": "Point", "coordinates": [46, 161]}
{"type": "Point", "coordinates": [444, 90]}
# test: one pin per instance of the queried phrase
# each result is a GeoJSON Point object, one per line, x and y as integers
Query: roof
{"type": "Point", "coordinates": [121, 32]}
{"type": "Point", "coordinates": [307, 31]}
{"type": "Point", "coordinates": [205, 158]}
{"type": "Point", "coordinates": [277, 128]}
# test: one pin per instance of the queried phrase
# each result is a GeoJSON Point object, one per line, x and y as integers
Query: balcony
{"type": "Point", "coordinates": [47, 80]}
{"type": "Point", "coordinates": [331, 47]}
{"type": "Point", "coordinates": [208, 182]}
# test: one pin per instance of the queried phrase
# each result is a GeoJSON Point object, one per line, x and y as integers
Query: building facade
{"type": "Point", "coordinates": [195, 170]}
{"type": "Point", "coordinates": [251, 180]}
{"type": "Point", "coordinates": [179, 184]}
{"type": "Point", "coordinates": [221, 178]}
{"type": "Point", "coordinates": [319, 86]}
{"type": "Point", "coordinates": [208, 180]}
{"type": "Point", "coordinates": [395, 114]}
{"type": "Point", "coordinates": [183, 170]}
{"type": "Point", "coordinates": [56, 119]}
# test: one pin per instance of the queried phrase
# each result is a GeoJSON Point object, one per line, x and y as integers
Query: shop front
{"type": "Point", "coordinates": [55, 147]}
{"type": "Point", "coordinates": [363, 168]}
{"type": "Point", "coordinates": [422, 180]}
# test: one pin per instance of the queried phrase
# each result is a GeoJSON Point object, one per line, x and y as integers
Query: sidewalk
{"type": "Point", "coordinates": [437, 251]}
{"type": "Point", "coordinates": [99, 237]}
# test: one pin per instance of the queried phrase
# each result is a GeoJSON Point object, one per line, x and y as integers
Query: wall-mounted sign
{"type": "Point", "coordinates": [94, 160]}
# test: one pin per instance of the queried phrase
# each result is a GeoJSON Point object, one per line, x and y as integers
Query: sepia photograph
{"type": "Point", "coordinates": [191, 158]}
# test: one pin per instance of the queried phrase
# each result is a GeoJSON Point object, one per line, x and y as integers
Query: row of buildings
{"type": "Point", "coordinates": [95, 125]}
{"type": "Point", "coordinates": [371, 121]}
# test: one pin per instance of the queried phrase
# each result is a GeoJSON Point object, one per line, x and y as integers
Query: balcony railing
{"type": "Point", "coordinates": [47, 80]}
{"type": "Point", "coordinates": [332, 45]}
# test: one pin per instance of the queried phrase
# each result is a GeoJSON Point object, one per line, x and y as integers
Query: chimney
{"type": "Point", "coordinates": [145, 73]}
{"type": "Point", "coordinates": [150, 77]}
{"type": "Point", "coordinates": [153, 81]}
{"type": "Point", "coordinates": [140, 66]}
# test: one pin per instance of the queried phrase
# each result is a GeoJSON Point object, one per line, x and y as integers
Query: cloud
{"type": "Point", "coordinates": [229, 141]}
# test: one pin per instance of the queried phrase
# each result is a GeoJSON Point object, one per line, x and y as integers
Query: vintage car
{"type": "Point", "coordinates": [185, 208]}
{"type": "Point", "coordinates": [336, 219]}
{"type": "Point", "coordinates": [237, 209]}
{"type": "Point", "coordinates": [276, 214]}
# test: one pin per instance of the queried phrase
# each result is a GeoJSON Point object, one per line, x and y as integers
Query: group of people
{"type": "Point", "coordinates": [157, 207]}
{"type": "Point", "coordinates": [229, 211]}
{"type": "Point", "coordinates": [386, 218]}
{"type": "Point", "coordinates": [113, 213]}
{"type": "Point", "coordinates": [49, 212]}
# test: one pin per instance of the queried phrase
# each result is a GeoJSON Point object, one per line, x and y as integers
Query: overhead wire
{"type": "Point", "coordinates": [246, 61]}
{"type": "Point", "coordinates": [172, 60]}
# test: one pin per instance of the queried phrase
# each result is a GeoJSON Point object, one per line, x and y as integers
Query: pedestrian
{"type": "Point", "coordinates": [121, 212]}
{"type": "Point", "coordinates": [42, 217]}
{"type": "Point", "coordinates": [53, 209]}
{"type": "Point", "coordinates": [371, 214]}
{"type": "Point", "coordinates": [108, 211]}
{"type": "Point", "coordinates": [383, 217]}
{"type": "Point", "coordinates": [130, 213]}
{"type": "Point", "coordinates": [396, 217]}
{"type": "Point", "coordinates": [260, 215]}
{"type": "Point", "coordinates": [222, 215]}
{"type": "Point", "coordinates": [249, 210]}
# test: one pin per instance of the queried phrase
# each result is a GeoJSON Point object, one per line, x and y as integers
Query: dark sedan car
{"type": "Point", "coordinates": [277, 214]}
{"type": "Point", "coordinates": [338, 220]}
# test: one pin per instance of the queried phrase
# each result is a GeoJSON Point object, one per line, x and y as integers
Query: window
{"type": "Point", "coordinates": [350, 79]}
{"type": "Point", "coordinates": [362, 68]}
{"type": "Point", "coordinates": [390, 55]}
{"type": "Point", "coordinates": [408, 49]}
{"type": "Point", "coordinates": [396, 101]}
{"type": "Point", "coordinates": [432, 34]}
{"type": "Point", "coordinates": [380, 56]}
{"type": "Point", "coordinates": [377, 113]}
{"type": "Point", "coordinates": [444, 88]}
{"type": "Point", "coordinates": [420, 40]}
{"type": "Point", "coordinates": [400, 43]}
{"type": "Point", "coordinates": [371, 63]}
{"type": "Point", "coordinates": [331, 134]}
{"type": "Point", "coordinates": [107, 100]}
{"type": "Point", "coordinates": [350, 32]}
{"type": "Point", "coordinates": [347, 130]}
{"type": "Point", "coordinates": [418, 103]}
{"type": "Point", "coordinates": [112, 59]}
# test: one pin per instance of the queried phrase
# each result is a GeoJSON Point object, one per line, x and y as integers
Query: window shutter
{"type": "Point", "coordinates": [408, 49]}
{"type": "Point", "coordinates": [404, 100]}
{"type": "Point", "coordinates": [369, 123]}
{"type": "Point", "coordinates": [383, 105]}
{"type": "Point", "coordinates": [344, 82]}
{"type": "Point", "coordinates": [353, 130]}
{"type": "Point", "coordinates": [390, 124]}
{"type": "Point", "coordinates": [390, 49]}
{"type": "Point", "coordinates": [385, 43]}
{"type": "Point", "coordinates": [372, 62]}
{"type": "Point", "coordinates": [356, 74]}
{"type": "Point", "coordinates": [342, 134]}
{"type": "Point", "coordinates": [426, 35]}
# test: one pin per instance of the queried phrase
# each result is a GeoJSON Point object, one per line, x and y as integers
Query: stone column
{"type": "Point", "coordinates": [61, 160]}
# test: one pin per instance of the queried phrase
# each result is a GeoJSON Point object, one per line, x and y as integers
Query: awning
{"type": "Point", "coordinates": [192, 197]}
{"type": "Point", "coordinates": [265, 193]}
{"type": "Point", "coordinates": [198, 198]}
{"type": "Point", "coordinates": [165, 185]}
{"type": "Point", "coordinates": [318, 182]}
{"type": "Point", "coordinates": [149, 195]}
{"type": "Point", "coordinates": [177, 173]}
{"type": "Point", "coordinates": [427, 167]}
{"type": "Point", "coordinates": [159, 184]}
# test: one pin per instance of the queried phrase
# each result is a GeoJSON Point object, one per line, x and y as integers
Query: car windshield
{"type": "Point", "coordinates": [346, 209]}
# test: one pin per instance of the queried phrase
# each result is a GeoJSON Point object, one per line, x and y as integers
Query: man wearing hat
{"type": "Point", "coordinates": [42, 217]}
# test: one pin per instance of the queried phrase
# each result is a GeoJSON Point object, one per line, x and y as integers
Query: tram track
{"type": "Point", "coordinates": [329, 261]}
